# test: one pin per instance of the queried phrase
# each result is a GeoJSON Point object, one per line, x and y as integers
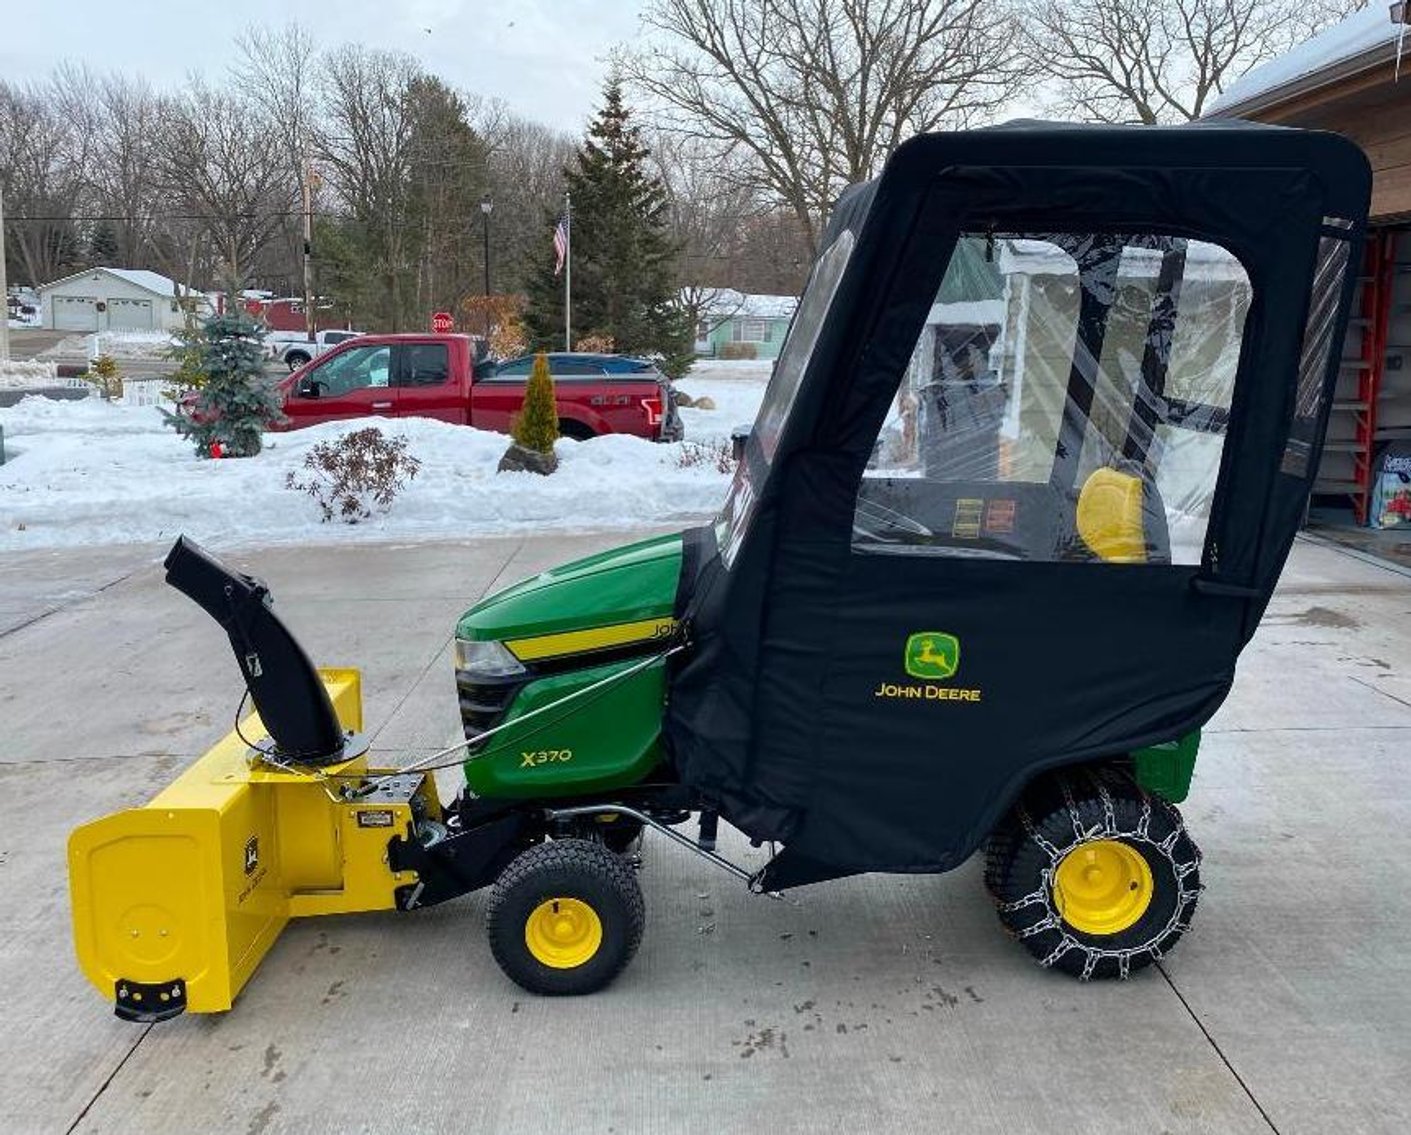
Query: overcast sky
{"type": "Point", "coordinates": [545, 58]}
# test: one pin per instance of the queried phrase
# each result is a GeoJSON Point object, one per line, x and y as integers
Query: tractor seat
{"type": "Point", "coordinates": [1111, 517]}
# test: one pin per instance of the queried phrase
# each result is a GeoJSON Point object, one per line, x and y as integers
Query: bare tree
{"type": "Point", "coordinates": [276, 70]}
{"type": "Point", "coordinates": [365, 142]}
{"type": "Point", "coordinates": [221, 161]}
{"type": "Point", "coordinates": [1161, 60]}
{"type": "Point", "coordinates": [45, 144]}
{"type": "Point", "coordinates": [708, 205]}
{"type": "Point", "coordinates": [810, 95]}
{"type": "Point", "coordinates": [120, 172]}
{"type": "Point", "coordinates": [526, 164]}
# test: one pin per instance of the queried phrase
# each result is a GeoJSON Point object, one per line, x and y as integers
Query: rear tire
{"type": "Point", "coordinates": [1093, 875]}
{"type": "Point", "coordinates": [565, 918]}
{"type": "Point", "coordinates": [575, 431]}
{"type": "Point", "coordinates": [295, 360]}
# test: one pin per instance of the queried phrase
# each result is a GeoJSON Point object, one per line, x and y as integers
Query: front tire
{"type": "Point", "coordinates": [565, 918]}
{"type": "Point", "coordinates": [1093, 875]}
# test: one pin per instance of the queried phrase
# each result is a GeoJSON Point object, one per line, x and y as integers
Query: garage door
{"type": "Point", "coordinates": [129, 315]}
{"type": "Point", "coordinates": [75, 313]}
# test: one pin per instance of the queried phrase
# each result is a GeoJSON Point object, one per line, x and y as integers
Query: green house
{"type": "Point", "coordinates": [736, 325]}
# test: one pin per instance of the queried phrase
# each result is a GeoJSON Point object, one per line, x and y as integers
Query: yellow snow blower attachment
{"type": "Point", "coordinates": [176, 902]}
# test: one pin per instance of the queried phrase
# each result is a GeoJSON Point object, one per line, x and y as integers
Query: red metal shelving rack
{"type": "Point", "coordinates": [1374, 310]}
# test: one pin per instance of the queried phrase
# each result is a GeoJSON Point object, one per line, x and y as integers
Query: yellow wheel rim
{"type": "Point", "coordinates": [1102, 887]}
{"type": "Point", "coordinates": [563, 933]}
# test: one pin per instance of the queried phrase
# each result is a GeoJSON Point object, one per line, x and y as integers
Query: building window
{"type": "Point", "coordinates": [749, 330]}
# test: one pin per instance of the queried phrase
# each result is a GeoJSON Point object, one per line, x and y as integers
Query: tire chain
{"type": "Point", "coordinates": [1043, 895]}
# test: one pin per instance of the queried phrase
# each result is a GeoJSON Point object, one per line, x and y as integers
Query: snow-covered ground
{"type": "Point", "coordinates": [93, 472]}
{"type": "Point", "coordinates": [122, 345]}
{"type": "Point", "coordinates": [17, 374]}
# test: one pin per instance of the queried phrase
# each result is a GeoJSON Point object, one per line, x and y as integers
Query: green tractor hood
{"type": "Point", "coordinates": [627, 585]}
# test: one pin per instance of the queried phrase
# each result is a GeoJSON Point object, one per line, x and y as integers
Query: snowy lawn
{"type": "Point", "coordinates": [93, 472]}
{"type": "Point", "coordinates": [125, 346]}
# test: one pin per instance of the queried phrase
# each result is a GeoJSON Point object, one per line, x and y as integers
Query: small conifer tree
{"type": "Point", "coordinates": [103, 372]}
{"type": "Point", "coordinates": [537, 425]}
{"type": "Point", "coordinates": [236, 403]}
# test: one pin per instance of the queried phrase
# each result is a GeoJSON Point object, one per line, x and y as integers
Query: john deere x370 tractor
{"type": "Point", "coordinates": [1022, 483]}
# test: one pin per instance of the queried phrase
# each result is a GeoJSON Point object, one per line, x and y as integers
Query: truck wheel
{"type": "Point", "coordinates": [575, 431]}
{"type": "Point", "coordinates": [1095, 876]}
{"type": "Point", "coordinates": [565, 917]}
{"type": "Point", "coordinates": [295, 360]}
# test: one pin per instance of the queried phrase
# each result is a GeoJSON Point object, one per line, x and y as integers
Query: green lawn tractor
{"type": "Point", "coordinates": [1021, 485]}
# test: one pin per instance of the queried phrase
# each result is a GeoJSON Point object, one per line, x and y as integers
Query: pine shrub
{"type": "Point", "coordinates": [536, 427]}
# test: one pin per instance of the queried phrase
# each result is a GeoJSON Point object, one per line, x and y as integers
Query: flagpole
{"type": "Point", "coordinates": [568, 274]}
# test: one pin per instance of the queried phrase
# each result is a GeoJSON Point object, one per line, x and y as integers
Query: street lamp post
{"type": "Point", "coordinates": [486, 205]}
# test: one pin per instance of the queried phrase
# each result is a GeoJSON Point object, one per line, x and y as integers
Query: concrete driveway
{"type": "Point", "coordinates": [875, 1004]}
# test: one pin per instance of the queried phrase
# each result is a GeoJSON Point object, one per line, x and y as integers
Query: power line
{"type": "Point", "coordinates": [92, 217]}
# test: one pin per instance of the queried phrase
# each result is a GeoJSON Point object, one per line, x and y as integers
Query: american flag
{"type": "Point", "coordinates": [560, 242]}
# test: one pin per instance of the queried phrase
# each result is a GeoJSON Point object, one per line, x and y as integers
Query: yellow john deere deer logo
{"type": "Point", "coordinates": [933, 655]}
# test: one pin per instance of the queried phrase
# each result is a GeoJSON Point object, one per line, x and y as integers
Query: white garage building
{"type": "Point", "coordinates": [114, 299]}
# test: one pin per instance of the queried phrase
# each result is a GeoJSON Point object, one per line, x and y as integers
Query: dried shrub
{"type": "Point", "coordinates": [738, 351]}
{"type": "Point", "coordinates": [504, 315]}
{"type": "Point", "coordinates": [348, 476]}
{"type": "Point", "coordinates": [103, 373]}
{"type": "Point", "coordinates": [706, 454]}
{"type": "Point", "coordinates": [595, 345]}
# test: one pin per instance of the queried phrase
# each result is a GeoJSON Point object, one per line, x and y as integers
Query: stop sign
{"type": "Point", "coordinates": [443, 323]}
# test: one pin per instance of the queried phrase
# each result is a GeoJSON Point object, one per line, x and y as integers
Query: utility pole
{"type": "Point", "coordinates": [308, 172]}
{"type": "Point", "coordinates": [4, 290]}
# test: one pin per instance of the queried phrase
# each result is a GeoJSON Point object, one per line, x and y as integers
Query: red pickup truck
{"type": "Point", "coordinates": [436, 376]}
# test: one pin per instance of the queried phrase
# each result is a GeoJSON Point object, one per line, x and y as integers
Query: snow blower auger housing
{"type": "Point", "coordinates": [1023, 480]}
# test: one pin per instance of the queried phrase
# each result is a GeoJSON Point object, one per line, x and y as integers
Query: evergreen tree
{"type": "Point", "coordinates": [624, 261]}
{"type": "Point", "coordinates": [536, 426]}
{"type": "Point", "coordinates": [103, 246]}
{"type": "Point", "coordinates": [235, 402]}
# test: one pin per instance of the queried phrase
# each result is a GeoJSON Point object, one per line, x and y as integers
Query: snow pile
{"type": "Point", "coordinates": [18, 375]}
{"type": "Point", "coordinates": [121, 345]}
{"type": "Point", "coordinates": [134, 344]}
{"type": "Point", "coordinates": [94, 472]}
{"type": "Point", "coordinates": [734, 385]}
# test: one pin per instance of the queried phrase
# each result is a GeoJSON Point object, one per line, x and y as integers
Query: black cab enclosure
{"type": "Point", "coordinates": [1024, 479]}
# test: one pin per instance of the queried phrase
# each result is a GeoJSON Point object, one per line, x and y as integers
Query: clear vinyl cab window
{"type": "Point", "coordinates": [1067, 399]}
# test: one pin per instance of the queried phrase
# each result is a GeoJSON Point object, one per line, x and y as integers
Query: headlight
{"type": "Point", "coordinates": [486, 659]}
